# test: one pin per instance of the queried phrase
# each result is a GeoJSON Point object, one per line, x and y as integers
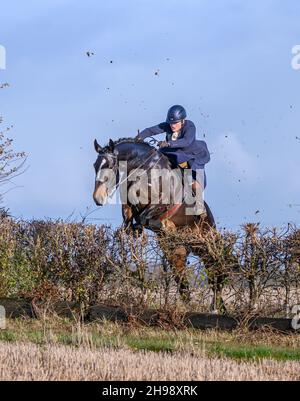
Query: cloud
{"type": "Point", "coordinates": [231, 157]}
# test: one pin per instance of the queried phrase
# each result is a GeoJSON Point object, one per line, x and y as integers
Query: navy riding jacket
{"type": "Point", "coordinates": [186, 148]}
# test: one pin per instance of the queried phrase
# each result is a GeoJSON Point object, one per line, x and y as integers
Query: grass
{"type": "Point", "coordinates": [28, 361]}
{"type": "Point", "coordinates": [70, 350]}
{"type": "Point", "coordinates": [255, 353]}
{"type": "Point", "coordinates": [238, 345]}
{"type": "Point", "coordinates": [151, 344]}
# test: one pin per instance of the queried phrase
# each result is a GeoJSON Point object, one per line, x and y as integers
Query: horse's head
{"type": "Point", "coordinates": [137, 156]}
{"type": "Point", "coordinates": [106, 169]}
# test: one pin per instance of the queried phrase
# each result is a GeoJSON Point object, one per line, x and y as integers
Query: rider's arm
{"type": "Point", "coordinates": [187, 139]}
{"type": "Point", "coordinates": [155, 130]}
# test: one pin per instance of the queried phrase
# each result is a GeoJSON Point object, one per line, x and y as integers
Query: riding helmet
{"type": "Point", "coordinates": [176, 113]}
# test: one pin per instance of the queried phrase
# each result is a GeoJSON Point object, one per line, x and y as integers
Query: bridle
{"type": "Point", "coordinates": [153, 141]}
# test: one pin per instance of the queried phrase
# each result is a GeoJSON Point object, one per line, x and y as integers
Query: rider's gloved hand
{"type": "Point", "coordinates": [163, 144]}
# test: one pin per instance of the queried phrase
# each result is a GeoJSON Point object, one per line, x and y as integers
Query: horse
{"type": "Point", "coordinates": [159, 218]}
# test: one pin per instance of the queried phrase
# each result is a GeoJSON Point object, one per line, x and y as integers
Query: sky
{"type": "Point", "coordinates": [228, 62]}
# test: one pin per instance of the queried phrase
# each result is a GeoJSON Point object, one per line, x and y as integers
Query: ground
{"type": "Point", "coordinates": [59, 349]}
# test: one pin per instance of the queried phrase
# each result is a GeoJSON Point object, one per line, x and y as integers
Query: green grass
{"type": "Point", "coordinates": [151, 344]}
{"type": "Point", "coordinates": [8, 335]}
{"type": "Point", "coordinates": [254, 353]}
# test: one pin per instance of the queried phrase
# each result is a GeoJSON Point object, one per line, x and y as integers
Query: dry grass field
{"type": "Point", "coordinates": [27, 361]}
{"type": "Point", "coordinates": [57, 349]}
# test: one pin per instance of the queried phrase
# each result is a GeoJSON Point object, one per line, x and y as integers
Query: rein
{"type": "Point", "coordinates": [132, 172]}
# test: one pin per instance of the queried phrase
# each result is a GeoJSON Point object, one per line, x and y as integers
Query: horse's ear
{"type": "Point", "coordinates": [98, 148]}
{"type": "Point", "coordinates": [111, 145]}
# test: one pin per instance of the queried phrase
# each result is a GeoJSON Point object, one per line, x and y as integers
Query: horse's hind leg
{"type": "Point", "coordinates": [216, 282]}
{"type": "Point", "coordinates": [177, 260]}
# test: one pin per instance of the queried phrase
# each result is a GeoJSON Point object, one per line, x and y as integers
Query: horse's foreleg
{"type": "Point", "coordinates": [128, 224]}
{"type": "Point", "coordinates": [127, 217]}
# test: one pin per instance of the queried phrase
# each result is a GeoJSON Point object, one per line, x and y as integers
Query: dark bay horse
{"type": "Point", "coordinates": [159, 217]}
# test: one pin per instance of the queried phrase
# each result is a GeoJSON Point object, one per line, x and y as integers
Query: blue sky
{"type": "Point", "coordinates": [228, 62]}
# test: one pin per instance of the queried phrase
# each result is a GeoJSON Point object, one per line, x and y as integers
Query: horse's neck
{"type": "Point", "coordinates": [140, 156]}
{"type": "Point", "coordinates": [137, 156]}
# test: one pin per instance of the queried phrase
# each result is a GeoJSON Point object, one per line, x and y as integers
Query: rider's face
{"type": "Point", "coordinates": [176, 126]}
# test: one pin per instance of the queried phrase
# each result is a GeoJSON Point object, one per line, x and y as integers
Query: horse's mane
{"type": "Point", "coordinates": [145, 145]}
{"type": "Point", "coordinates": [120, 140]}
{"type": "Point", "coordinates": [127, 140]}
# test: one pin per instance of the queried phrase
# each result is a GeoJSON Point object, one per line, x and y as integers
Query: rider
{"type": "Point", "coordinates": [181, 145]}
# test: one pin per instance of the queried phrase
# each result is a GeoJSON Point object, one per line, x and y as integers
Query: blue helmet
{"type": "Point", "coordinates": [176, 113]}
